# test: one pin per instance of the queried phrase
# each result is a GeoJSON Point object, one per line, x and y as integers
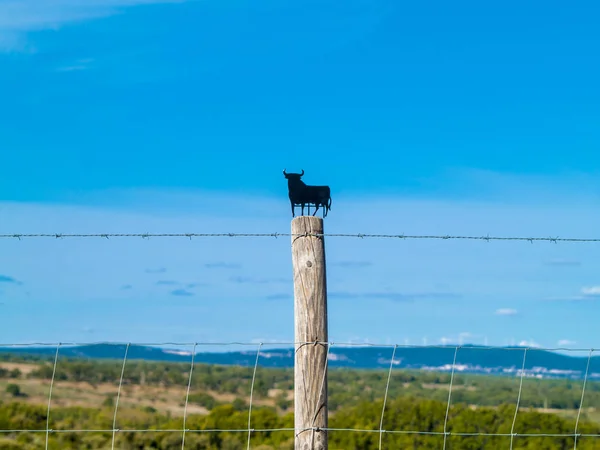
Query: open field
{"type": "Point", "coordinates": [273, 388]}
{"type": "Point", "coordinates": [153, 398]}
{"type": "Point", "coordinates": [171, 399]}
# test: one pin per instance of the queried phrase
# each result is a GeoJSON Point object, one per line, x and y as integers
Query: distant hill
{"type": "Point", "coordinates": [470, 359]}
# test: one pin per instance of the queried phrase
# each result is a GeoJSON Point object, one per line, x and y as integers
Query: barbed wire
{"type": "Point", "coordinates": [445, 433]}
{"type": "Point", "coordinates": [190, 236]}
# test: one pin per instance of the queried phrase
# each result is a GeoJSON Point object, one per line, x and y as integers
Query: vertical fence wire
{"type": "Point", "coordinates": [587, 370]}
{"type": "Point", "coordinates": [449, 397]}
{"type": "Point", "coordinates": [251, 395]}
{"type": "Point", "coordinates": [323, 380]}
{"type": "Point", "coordinates": [187, 398]}
{"type": "Point", "coordinates": [512, 428]}
{"type": "Point", "coordinates": [387, 387]}
{"type": "Point", "coordinates": [50, 396]}
{"type": "Point", "coordinates": [114, 428]}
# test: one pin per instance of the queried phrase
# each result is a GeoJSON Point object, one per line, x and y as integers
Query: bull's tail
{"type": "Point", "coordinates": [329, 204]}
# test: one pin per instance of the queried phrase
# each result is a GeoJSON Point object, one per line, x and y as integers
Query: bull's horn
{"type": "Point", "coordinates": [302, 172]}
{"type": "Point", "coordinates": [284, 172]}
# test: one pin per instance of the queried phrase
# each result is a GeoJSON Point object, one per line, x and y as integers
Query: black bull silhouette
{"type": "Point", "coordinates": [301, 194]}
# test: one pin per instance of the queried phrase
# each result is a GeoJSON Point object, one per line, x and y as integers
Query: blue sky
{"type": "Point", "coordinates": [179, 116]}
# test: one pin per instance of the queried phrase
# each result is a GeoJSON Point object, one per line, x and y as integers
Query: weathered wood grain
{"type": "Point", "coordinates": [310, 316]}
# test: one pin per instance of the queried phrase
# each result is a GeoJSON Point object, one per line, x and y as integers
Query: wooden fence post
{"type": "Point", "coordinates": [310, 317]}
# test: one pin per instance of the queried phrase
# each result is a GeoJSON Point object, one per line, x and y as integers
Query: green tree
{"type": "Point", "coordinates": [14, 390]}
{"type": "Point", "coordinates": [203, 399]}
{"type": "Point", "coordinates": [109, 401]}
{"type": "Point", "coordinates": [239, 404]}
{"type": "Point", "coordinates": [282, 402]}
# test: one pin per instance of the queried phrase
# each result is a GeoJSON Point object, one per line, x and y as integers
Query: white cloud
{"type": "Point", "coordinates": [17, 17]}
{"type": "Point", "coordinates": [587, 293]}
{"type": "Point", "coordinates": [592, 291]}
{"type": "Point", "coordinates": [529, 343]}
{"type": "Point", "coordinates": [81, 64]}
{"type": "Point", "coordinates": [459, 339]}
{"type": "Point", "coordinates": [506, 312]}
{"type": "Point", "coordinates": [566, 343]}
{"type": "Point", "coordinates": [464, 335]}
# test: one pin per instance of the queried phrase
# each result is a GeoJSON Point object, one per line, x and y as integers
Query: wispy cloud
{"type": "Point", "coordinates": [255, 280]}
{"type": "Point", "coordinates": [167, 283]}
{"type": "Point", "coordinates": [394, 296]}
{"type": "Point", "coordinates": [222, 265]}
{"type": "Point", "coordinates": [18, 17]}
{"type": "Point", "coordinates": [126, 287]}
{"type": "Point", "coordinates": [559, 262]}
{"type": "Point", "coordinates": [81, 64]}
{"type": "Point", "coordinates": [566, 343]}
{"type": "Point", "coordinates": [351, 264]}
{"type": "Point", "coordinates": [182, 293]}
{"type": "Point", "coordinates": [159, 270]}
{"type": "Point", "coordinates": [593, 291]}
{"type": "Point", "coordinates": [506, 312]}
{"type": "Point", "coordinates": [459, 339]}
{"type": "Point", "coordinates": [529, 343]}
{"type": "Point", "coordinates": [281, 296]}
{"type": "Point", "coordinates": [7, 279]}
{"type": "Point", "coordinates": [587, 293]}
{"type": "Point", "coordinates": [179, 283]}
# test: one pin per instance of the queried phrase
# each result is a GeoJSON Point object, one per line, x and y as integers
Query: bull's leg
{"type": "Point", "coordinates": [293, 212]}
{"type": "Point", "coordinates": [317, 208]}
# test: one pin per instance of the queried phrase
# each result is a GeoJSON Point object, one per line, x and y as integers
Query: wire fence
{"type": "Point", "coordinates": [190, 236]}
{"type": "Point", "coordinates": [53, 351]}
{"type": "Point", "coordinates": [446, 433]}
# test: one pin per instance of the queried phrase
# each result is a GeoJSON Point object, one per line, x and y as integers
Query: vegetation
{"type": "Point", "coordinates": [346, 386]}
{"type": "Point", "coordinates": [152, 396]}
{"type": "Point", "coordinates": [407, 414]}
{"type": "Point", "coordinates": [14, 390]}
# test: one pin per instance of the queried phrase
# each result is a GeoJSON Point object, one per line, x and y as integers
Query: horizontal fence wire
{"type": "Point", "coordinates": [488, 238]}
{"type": "Point", "coordinates": [265, 344]}
{"type": "Point", "coordinates": [261, 347]}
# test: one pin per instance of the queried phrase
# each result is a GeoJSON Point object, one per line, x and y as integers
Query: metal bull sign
{"type": "Point", "coordinates": [303, 195]}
